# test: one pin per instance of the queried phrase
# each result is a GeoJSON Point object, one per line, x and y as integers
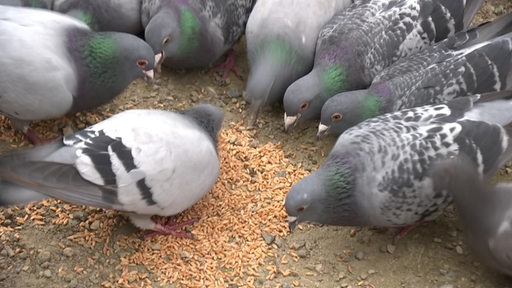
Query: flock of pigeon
{"type": "Point", "coordinates": [420, 100]}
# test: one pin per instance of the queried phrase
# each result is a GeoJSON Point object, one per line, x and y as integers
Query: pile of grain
{"type": "Point", "coordinates": [245, 203]}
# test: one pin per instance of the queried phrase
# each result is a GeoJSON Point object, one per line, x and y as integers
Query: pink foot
{"type": "Point", "coordinates": [35, 139]}
{"type": "Point", "coordinates": [172, 228]}
{"type": "Point", "coordinates": [228, 65]}
{"type": "Point", "coordinates": [405, 230]}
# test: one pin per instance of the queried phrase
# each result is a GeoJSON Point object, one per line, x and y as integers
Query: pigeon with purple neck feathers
{"type": "Point", "coordinates": [143, 162]}
{"type": "Point", "coordinates": [476, 61]}
{"type": "Point", "coordinates": [281, 42]}
{"type": "Point", "coordinates": [360, 41]}
{"type": "Point", "coordinates": [485, 211]}
{"type": "Point", "coordinates": [194, 33]}
{"type": "Point", "coordinates": [62, 66]}
{"type": "Point", "coordinates": [377, 172]}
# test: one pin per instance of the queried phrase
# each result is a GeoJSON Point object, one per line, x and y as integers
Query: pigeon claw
{"type": "Point", "coordinates": [172, 228]}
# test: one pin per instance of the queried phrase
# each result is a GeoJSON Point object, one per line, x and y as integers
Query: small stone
{"type": "Point", "coordinates": [185, 255]}
{"type": "Point", "coordinates": [319, 268]}
{"type": "Point", "coordinates": [363, 276]}
{"type": "Point", "coordinates": [341, 275]}
{"type": "Point", "coordinates": [44, 256]}
{"type": "Point", "coordinates": [156, 246]}
{"type": "Point", "coordinates": [47, 273]}
{"type": "Point", "coordinates": [8, 251]}
{"type": "Point", "coordinates": [45, 265]}
{"type": "Point", "coordinates": [371, 272]}
{"type": "Point", "coordinates": [278, 242]}
{"type": "Point", "coordinates": [302, 253]}
{"type": "Point", "coordinates": [344, 285]}
{"type": "Point", "coordinates": [25, 268]}
{"type": "Point", "coordinates": [68, 252]}
{"type": "Point", "coordinates": [298, 245]}
{"type": "Point", "coordinates": [447, 286]}
{"type": "Point", "coordinates": [232, 140]}
{"type": "Point", "coordinates": [390, 248]}
{"type": "Point", "coordinates": [23, 255]}
{"type": "Point", "coordinates": [437, 240]}
{"type": "Point", "coordinates": [68, 278]}
{"type": "Point", "coordinates": [234, 93]}
{"type": "Point", "coordinates": [459, 250]}
{"type": "Point", "coordinates": [453, 233]}
{"type": "Point", "coordinates": [268, 238]}
{"type": "Point", "coordinates": [95, 225]}
{"type": "Point", "coordinates": [360, 255]}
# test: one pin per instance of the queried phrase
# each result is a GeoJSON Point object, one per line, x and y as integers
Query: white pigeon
{"type": "Point", "coordinates": [144, 162]}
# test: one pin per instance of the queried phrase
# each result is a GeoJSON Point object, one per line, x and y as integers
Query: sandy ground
{"type": "Point", "coordinates": [38, 251]}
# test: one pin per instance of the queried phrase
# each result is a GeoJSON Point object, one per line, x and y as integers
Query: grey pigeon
{"type": "Point", "coordinates": [143, 162]}
{"type": "Point", "coordinates": [99, 15]}
{"type": "Point", "coordinates": [281, 40]}
{"type": "Point", "coordinates": [360, 41]}
{"type": "Point", "coordinates": [62, 66]}
{"type": "Point", "coordinates": [377, 172]}
{"type": "Point", "coordinates": [43, 4]}
{"type": "Point", "coordinates": [472, 62]}
{"type": "Point", "coordinates": [194, 33]}
{"type": "Point", "coordinates": [485, 212]}
{"type": "Point", "coordinates": [104, 15]}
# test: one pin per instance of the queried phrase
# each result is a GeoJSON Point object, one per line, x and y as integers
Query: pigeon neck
{"type": "Point", "coordinates": [339, 185]}
{"type": "Point", "coordinates": [98, 67]}
{"type": "Point", "coordinates": [190, 28]}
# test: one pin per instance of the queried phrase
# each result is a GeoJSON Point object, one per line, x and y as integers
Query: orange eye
{"type": "Point", "coordinates": [166, 40]}
{"type": "Point", "coordinates": [336, 116]}
{"type": "Point", "coordinates": [304, 106]}
{"type": "Point", "coordinates": [142, 63]}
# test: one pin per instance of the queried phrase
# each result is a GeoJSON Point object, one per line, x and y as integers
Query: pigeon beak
{"type": "Point", "coordinates": [323, 130]}
{"type": "Point", "coordinates": [159, 59]}
{"type": "Point", "coordinates": [290, 121]}
{"type": "Point", "coordinates": [149, 75]}
{"type": "Point", "coordinates": [292, 222]}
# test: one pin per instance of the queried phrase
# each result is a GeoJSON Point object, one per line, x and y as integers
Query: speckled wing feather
{"type": "Point", "coordinates": [476, 61]}
{"type": "Point", "coordinates": [430, 21]}
{"type": "Point", "coordinates": [232, 18]}
{"type": "Point", "coordinates": [398, 149]}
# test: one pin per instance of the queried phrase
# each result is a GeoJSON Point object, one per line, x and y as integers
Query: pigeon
{"type": "Point", "coordinates": [105, 15]}
{"type": "Point", "coordinates": [12, 194]}
{"type": "Point", "coordinates": [188, 34]}
{"type": "Point", "coordinates": [360, 41]}
{"type": "Point", "coordinates": [143, 162]}
{"type": "Point", "coordinates": [281, 42]}
{"type": "Point", "coordinates": [485, 211]}
{"type": "Point", "coordinates": [43, 4]}
{"type": "Point", "coordinates": [376, 174]}
{"type": "Point", "coordinates": [61, 66]}
{"type": "Point", "coordinates": [476, 61]}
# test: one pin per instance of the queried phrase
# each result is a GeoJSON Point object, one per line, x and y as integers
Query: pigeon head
{"type": "Point", "coordinates": [207, 117]}
{"type": "Point", "coordinates": [106, 63]}
{"type": "Point", "coordinates": [324, 196]}
{"type": "Point", "coordinates": [304, 99]}
{"type": "Point", "coordinates": [174, 32]}
{"type": "Point", "coordinates": [347, 109]}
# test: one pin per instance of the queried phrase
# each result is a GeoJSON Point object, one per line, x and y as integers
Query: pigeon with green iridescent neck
{"type": "Point", "coordinates": [281, 42]}
{"type": "Point", "coordinates": [360, 41]}
{"type": "Point", "coordinates": [194, 33]}
{"type": "Point", "coordinates": [143, 162]}
{"type": "Point", "coordinates": [476, 61]}
{"type": "Point", "coordinates": [104, 15]}
{"type": "Point", "coordinates": [485, 211]}
{"type": "Point", "coordinates": [377, 173]}
{"type": "Point", "coordinates": [55, 64]}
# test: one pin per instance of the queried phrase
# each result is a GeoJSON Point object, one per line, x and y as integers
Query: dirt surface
{"type": "Point", "coordinates": [54, 244]}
